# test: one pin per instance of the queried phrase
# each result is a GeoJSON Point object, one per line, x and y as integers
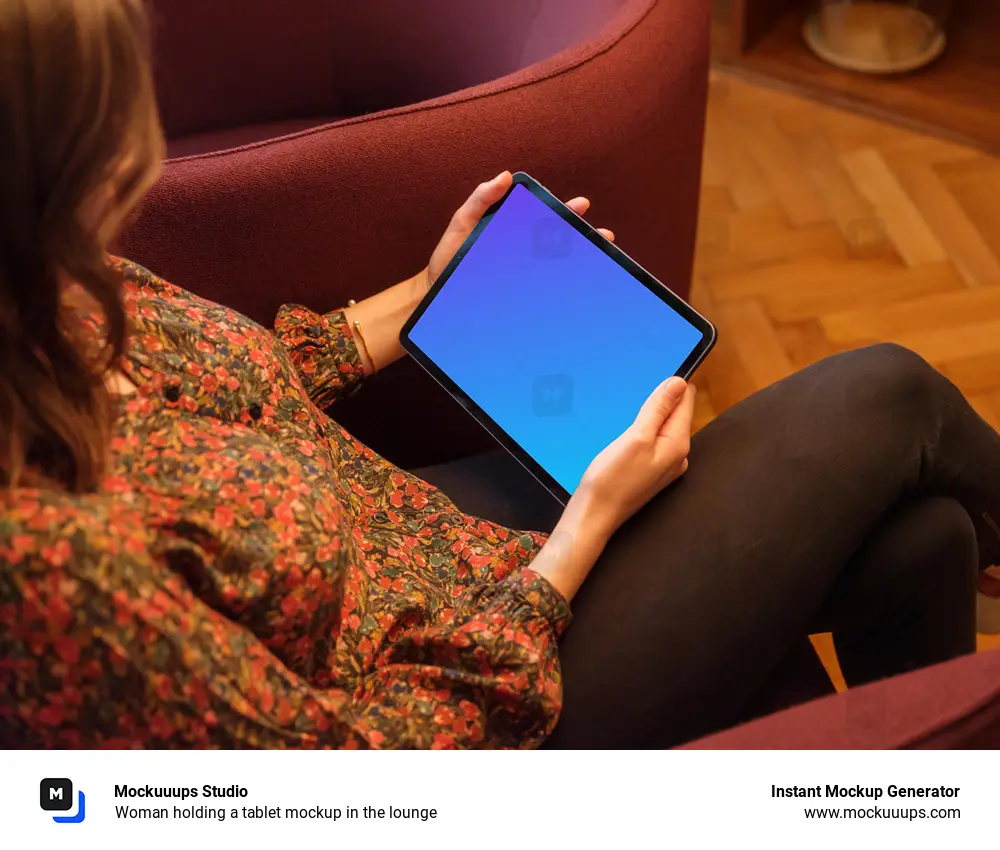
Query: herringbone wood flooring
{"type": "Point", "coordinates": [822, 230]}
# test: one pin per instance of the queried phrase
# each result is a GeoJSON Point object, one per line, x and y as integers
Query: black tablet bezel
{"type": "Point", "coordinates": [686, 369]}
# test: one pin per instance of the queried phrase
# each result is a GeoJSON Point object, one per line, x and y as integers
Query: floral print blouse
{"type": "Point", "coordinates": [250, 575]}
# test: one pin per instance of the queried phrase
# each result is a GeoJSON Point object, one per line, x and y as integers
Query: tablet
{"type": "Point", "coordinates": [550, 336]}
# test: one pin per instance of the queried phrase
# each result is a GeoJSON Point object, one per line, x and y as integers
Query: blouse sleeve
{"type": "Point", "coordinates": [102, 651]}
{"type": "Point", "coordinates": [323, 352]}
{"type": "Point", "coordinates": [489, 678]}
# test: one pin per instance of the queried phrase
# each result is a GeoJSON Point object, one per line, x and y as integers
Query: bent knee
{"type": "Point", "coordinates": [891, 375]}
{"type": "Point", "coordinates": [897, 362]}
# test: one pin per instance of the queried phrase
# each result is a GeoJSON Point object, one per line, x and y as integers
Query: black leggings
{"type": "Point", "coordinates": [856, 496]}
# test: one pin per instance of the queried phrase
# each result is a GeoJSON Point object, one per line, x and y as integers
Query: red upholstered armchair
{"type": "Point", "coordinates": [955, 706]}
{"type": "Point", "coordinates": [396, 111]}
{"type": "Point", "coordinates": [320, 147]}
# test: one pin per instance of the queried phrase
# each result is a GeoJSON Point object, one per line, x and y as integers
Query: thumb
{"type": "Point", "coordinates": [660, 404]}
{"type": "Point", "coordinates": [485, 196]}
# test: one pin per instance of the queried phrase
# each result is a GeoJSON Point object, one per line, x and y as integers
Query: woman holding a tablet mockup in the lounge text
{"type": "Point", "coordinates": [193, 553]}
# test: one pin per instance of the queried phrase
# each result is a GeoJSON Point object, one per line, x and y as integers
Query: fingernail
{"type": "Point", "coordinates": [675, 387]}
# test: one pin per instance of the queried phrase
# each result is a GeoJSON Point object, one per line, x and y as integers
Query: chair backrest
{"type": "Point", "coordinates": [396, 52]}
{"type": "Point", "coordinates": [222, 64]}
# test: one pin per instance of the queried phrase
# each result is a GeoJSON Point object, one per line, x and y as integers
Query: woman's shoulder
{"type": "Point", "coordinates": [141, 283]}
{"type": "Point", "coordinates": [149, 297]}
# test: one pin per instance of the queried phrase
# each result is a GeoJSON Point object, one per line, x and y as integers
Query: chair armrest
{"type": "Point", "coordinates": [955, 705]}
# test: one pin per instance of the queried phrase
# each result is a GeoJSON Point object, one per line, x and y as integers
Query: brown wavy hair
{"type": "Point", "coordinates": [80, 143]}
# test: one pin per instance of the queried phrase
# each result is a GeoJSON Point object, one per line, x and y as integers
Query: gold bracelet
{"type": "Point", "coordinates": [361, 336]}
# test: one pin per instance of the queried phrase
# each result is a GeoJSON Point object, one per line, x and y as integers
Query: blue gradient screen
{"type": "Point", "coordinates": [555, 341]}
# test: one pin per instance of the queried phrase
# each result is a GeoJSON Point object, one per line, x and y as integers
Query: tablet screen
{"type": "Point", "coordinates": [554, 340]}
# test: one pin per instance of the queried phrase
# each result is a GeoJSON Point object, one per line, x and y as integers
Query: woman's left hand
{"type": "Point", "coordinates": [382, 315]}
{"type": "Point", "coordinates": [468, 215]}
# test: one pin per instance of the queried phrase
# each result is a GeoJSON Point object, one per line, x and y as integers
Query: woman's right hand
{"type": "Point", "coordinates": [649, 456]}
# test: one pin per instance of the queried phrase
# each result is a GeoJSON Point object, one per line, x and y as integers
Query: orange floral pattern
{"type": "Point", "coordinates": [249, 574]}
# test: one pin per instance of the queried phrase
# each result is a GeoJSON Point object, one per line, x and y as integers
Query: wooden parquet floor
{"type": "Point", "coordinates": [821, 230]}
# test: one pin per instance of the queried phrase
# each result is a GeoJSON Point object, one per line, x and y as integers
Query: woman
{"type": "Point", "coordinates": [192, 553]}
